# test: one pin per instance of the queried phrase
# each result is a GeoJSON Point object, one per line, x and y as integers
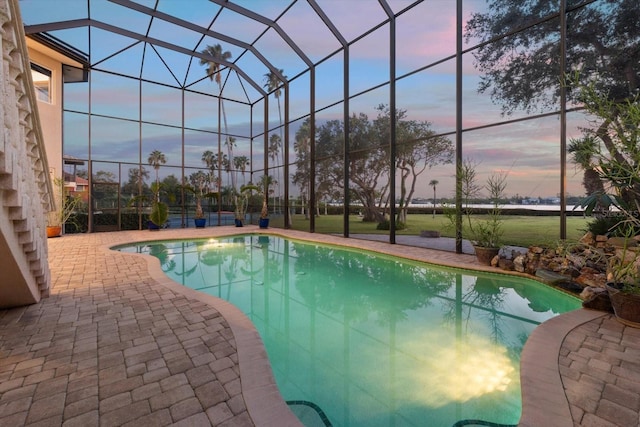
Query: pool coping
{"type": "Point", "coordinates": [544, 401]}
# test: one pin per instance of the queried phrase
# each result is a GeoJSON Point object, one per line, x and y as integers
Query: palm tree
{"type": "Point", "coordinates": [213, 71]}
{"type": "Point", "coordinates": [157, 158]}
{"type": "Point", "coordinates": [231, 161]}
{"type": "Point", "coordinates": [433, 184]}
{"type": "Point", "coordinates": [210, 159]}
{"type": "Point", "coordinates": [266, 184]}
{"type": "Point", "coordinates": [226, 195]}
{"type": "Point", "coordinates": [273, 84]}
{"type": "Point", "coordinates": [301, 146]}
{"type": "Point", "coordinates": [582, 151]}
{"type": "Point", "coordinates": [241, 163]}
{"type": "Point", "coordinates": [275, 143]}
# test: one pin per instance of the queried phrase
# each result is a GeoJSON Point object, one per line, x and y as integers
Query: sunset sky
{"type": "Point", "coordinates": [528, 150]}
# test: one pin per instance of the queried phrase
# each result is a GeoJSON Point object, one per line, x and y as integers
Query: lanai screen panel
{"type": "Point", "coordinates": [299, 61]}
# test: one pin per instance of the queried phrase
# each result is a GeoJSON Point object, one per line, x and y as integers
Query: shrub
{"type": "Point", "coordinates": [386, 225]}
{"type": "Point", "coordinates": [612, 226]}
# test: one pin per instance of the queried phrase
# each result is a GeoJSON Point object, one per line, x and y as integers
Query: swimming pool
{"type": "Point", "coordinates": [371, 339]}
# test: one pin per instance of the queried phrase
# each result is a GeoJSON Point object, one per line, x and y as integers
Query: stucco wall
{"type": "Point", "coordinates": [50, 113]}
{"type": "Point", "coordinates": [25, 187]}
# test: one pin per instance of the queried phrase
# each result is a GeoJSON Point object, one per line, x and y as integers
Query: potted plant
{"type": "Point", "coordinates": [611, 149]}
{"type": "Point", "coordinates": [241, 202]}
{"type": "Point", "coordinates": [623, 282]}
{"type": "Point", "coordinates": [240, 209]}
{"type": "Point", "coordinates": [197, 187]}
{"type": "Point", "coordinates": [264, 214]}
{"type": "Point", "coordinates": [199, 220]}
{"type": "Point", "coordinates": [159, 213]}
{"type": "Point", "coordinates": [66, 205]}
{"type": "Point", "coordinates": [486, 238]}
{"type": "Point", "coordinates": [264, 189]}
{"type": "Point", "coordinates": [159, 210]}
{"type": "Point", "coordinates": [485, 233]}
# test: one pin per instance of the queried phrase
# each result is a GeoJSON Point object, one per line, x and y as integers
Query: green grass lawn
{"type": "Point", "coordinates": [518, 230]}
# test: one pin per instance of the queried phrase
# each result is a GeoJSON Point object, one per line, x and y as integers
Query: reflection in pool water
{"type": "Point", "coordinates": [374, 340]}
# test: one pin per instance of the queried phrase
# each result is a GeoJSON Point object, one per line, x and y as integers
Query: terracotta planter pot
{"type": "Point", "coordinates": [485, 255]}
{"type": "Point", "coordinates": [54, 231]}
{"type": "Point", "coordinates": [626, 305]}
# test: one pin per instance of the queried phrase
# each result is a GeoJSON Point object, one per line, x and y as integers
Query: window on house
{"type": "Point", "coordinates": [42, 82]}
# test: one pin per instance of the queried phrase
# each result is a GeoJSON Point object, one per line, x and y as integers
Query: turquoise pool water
{"type": "Point", "coordinates": [373, 340]}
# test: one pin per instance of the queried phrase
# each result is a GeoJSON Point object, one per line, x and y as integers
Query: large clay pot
{"type": "Point", "coordinates": [626, 305]}
{"type": "Point", "coordinates": [485, 255]}
{"type": "Point", "coordinates": [263, 223]}
{"type": "Point", "coordinates": [54, 230]}
{"type": "Point", "coordinates": [200, 222]}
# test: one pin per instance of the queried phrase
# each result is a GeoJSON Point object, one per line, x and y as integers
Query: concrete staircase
{"type": "Point", "coordinates": [25, 186]}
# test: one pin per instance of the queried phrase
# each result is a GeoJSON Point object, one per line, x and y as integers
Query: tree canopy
{"type": "Point", "coordinates": [418, 148]}
{"type": "Point", "coordinates": [521, 71]}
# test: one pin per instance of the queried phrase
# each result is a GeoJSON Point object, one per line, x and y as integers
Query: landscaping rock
{"type": "Point", "coordinates": [495, 260]}
{"type": "Point", "coordinates": [588, 239]}
{"type": "Point", "coordinates": [619, 242]}
{"type": "Point", "coordinates": [596, 298]}
{"type": "Point", "coordinates": [571, 287]}
{"type": "Point", "coordinates": [506, 264]}
{"type": "Point", "coordinates": [590, 277]}
{"type": "Point", "coordinates": [580, 269]}
{"type": "Point", "coordinates": [551, 277]}
{"type": "Point", "coordinates": [519, 263]}
{"type": "Point", "coordinates": [576, 260]}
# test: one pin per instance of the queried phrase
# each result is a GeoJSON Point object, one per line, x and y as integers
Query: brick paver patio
{"type": "Point", "coordinates": [117, 343]}
{"type": "Point", "coordinates": [600, 367]}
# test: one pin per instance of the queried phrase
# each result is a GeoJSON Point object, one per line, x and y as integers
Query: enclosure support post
{"type": "Point", "coordinates": [458, 126]}
{"type": "Point", "coordinates": [563, 121]}
{"type": "Point", "coordinates": [347, 198]}
{"type": "Point", "coordinates": [312, 151]}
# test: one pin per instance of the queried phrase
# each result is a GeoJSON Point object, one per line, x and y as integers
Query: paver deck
{"type": "Point", "coordinates": [117, 343]}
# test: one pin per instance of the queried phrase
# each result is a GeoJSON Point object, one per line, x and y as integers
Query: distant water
{"type": "Point", "coordinates": [555, 208]}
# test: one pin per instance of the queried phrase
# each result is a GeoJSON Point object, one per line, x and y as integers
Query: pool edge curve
{"type": "Point", "coordinates": [543, 397]}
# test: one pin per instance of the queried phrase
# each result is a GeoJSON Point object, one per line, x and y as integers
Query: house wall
{"type": "Point", "coordinates": [50, 113]}
{"type": "Point", "coordinates": [25, 187]}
